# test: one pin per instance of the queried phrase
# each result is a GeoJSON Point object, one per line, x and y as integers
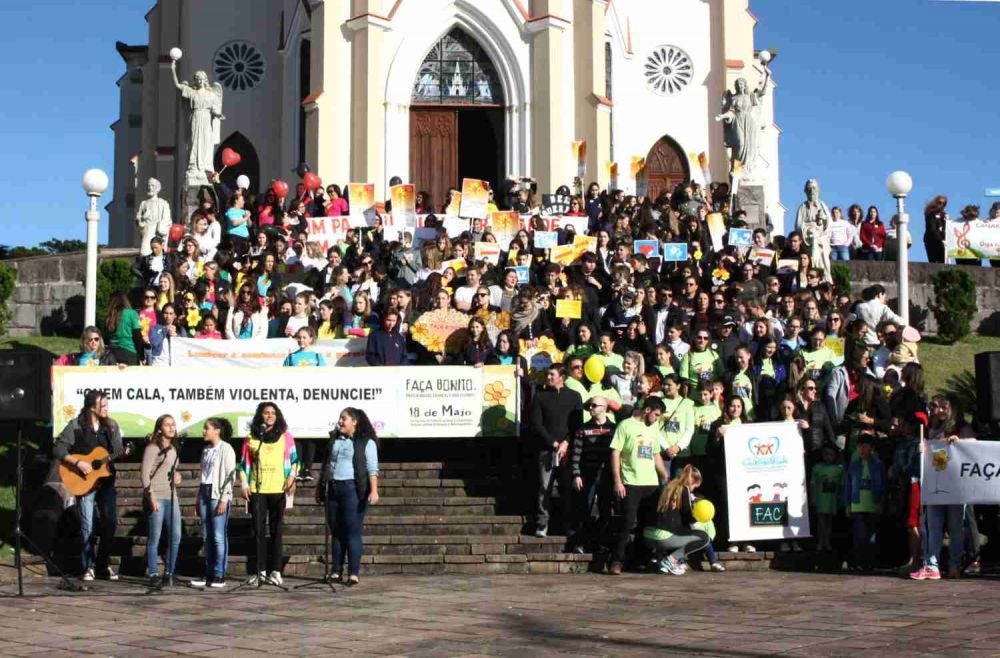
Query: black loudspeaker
{"type": "Point", "coordinates": [25, 385]}
{"type": "Point", "coordinates": [988, 387]}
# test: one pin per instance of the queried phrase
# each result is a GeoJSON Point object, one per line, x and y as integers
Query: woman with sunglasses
{"type": "Point", "coordinates": [248, 319]}
{"type": "Point", "coordinates": [813, 421]}
{"type": "Point", "coordinates": [92, 351]}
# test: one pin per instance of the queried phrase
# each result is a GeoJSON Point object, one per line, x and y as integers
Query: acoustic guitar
{"type": "Point", "coordinates": [100, 461]}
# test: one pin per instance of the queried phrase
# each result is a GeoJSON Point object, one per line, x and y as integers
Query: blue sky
{"type": "Point", "coordinates": [864, 88]}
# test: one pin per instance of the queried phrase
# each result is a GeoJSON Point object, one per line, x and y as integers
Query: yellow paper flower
{"type": "Point", "coordinates": [720, 273]}
{"type": "Point", "coordinates": [496, 394]}
{"type": "Point", "coordinates": [940, 460]}
{"type": "Point", "coordinates": [697, 255]}
{"type": "Point", "coordinates": [193, 318]}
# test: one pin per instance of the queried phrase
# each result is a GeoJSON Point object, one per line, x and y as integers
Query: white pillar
{"type": "Point", "coordinates": [93, 216]}
{"type": "Point", "coordinates": [903, 261]}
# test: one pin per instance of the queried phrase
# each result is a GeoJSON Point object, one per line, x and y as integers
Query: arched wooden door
{"type": "Point", "coordinates": [249, 163]}
{"type": "Point", "coordinates": [666, 166]}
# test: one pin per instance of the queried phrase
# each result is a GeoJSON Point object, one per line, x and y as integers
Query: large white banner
{"type": "Point", "coordinates": [766, 482]}
{"type": "Point", "coordinates": [408, 401]}
{"type": "Point", "coordinates": [977, 239]}
{"type": "Point", "coordinates": [261, 353]}
{"type": "Point", "coordinates": [959, 473]}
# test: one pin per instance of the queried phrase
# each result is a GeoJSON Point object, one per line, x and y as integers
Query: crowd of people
{"type": "Point", "coordinates": [685, 350]}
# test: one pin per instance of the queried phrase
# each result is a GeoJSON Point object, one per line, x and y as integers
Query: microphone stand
{"type": "Point", "coordinates": [173, 500]}
{"type": "Point", "coordinates": [327, 578]}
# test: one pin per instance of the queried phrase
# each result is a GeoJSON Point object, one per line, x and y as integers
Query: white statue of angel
{"type": "Point", "coordinates": [206, 118]}
{"type": "Point", "coordinates": [740, 112]}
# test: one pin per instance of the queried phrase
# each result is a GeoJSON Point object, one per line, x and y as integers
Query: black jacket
{"type": "Point", "coordinates": [555, 415]}
{"type": "Point", "coordinates": [591, 448]}
{"type": "Point", "coordinates": [677, 521]}
{"type": "Point", "coordinates": [820, 433]}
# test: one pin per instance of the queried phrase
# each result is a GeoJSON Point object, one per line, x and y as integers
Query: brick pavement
{"type": "Point", "coordinates": [733, 614]}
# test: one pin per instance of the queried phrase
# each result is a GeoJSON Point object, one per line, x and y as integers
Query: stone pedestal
{"type": "Point", "coordinates": [189, 203]}
{"type": "Point", "coordinates": [750, 197]}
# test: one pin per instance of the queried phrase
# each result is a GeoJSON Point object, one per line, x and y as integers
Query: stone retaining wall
{"type": "Point", "coordinates": [49, 294]}
{"type": "Point", "coordinates": [48, 299]}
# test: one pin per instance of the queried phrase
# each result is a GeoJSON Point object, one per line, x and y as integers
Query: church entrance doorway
{"type": "Point", "coordinates": [456, 118]}
{"type": "Point", "coordinates": [666, 167]}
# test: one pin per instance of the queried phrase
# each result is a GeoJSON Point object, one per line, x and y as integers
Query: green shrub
{"type": "Point", "coordinates": [113, 276]}
{"type": "Point", "coordinates": [8, 278]}
{"type": "Point", "coordinates": [954, 303]}
{"type": "Point", "coordinates": [841, 275]}
{"type": "Point", "coordinates": [963, 387]}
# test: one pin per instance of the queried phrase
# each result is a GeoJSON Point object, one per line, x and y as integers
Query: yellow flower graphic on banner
{"type": "Point", "coordinates": [186, 416]}
{"type": "Point", "coordinates": [69, 411]}
{"type": "Point", "coordinates": [495, 393]}
{"type": "Point", "coordinates": [940, 460]}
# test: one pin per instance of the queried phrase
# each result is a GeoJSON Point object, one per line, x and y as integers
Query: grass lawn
{"type": "Point", "coordinates": [944, 361]}
{"type": "Point", "coordinates": [55, 344]}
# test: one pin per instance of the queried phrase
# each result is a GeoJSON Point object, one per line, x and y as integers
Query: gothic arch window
{"type": "Point", "coordinates": [458, 71]}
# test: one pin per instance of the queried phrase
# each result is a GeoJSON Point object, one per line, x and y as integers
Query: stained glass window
{"type": "Point", "coordinates": [457, 70]}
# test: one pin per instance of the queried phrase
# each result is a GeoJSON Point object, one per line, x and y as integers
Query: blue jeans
{"type": "Point", "coordinates": [156, 521]}
{"type": "Point", "coordinates": [936, 518]}
{"type": "Point", "coordinates": [842, 252]}
{"type": "Point", "coordinates": [104, 501]}
{"type": "Point", "coordinates": [867, 254]}
{"type": "Point", "coordinates": [214, 534]}
{"type": "Point", "coordinates": [346, 514]}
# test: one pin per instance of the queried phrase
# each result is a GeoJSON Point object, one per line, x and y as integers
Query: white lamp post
{"type": "Point", "coordinates": [95, 182]}
{"type": "Point", "coordinates": [899, 185]}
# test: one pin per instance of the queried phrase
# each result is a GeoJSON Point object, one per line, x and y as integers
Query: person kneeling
{"type": "Point", "coordinates": [673, 538]}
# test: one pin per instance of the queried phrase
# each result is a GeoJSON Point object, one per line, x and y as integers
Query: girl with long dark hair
{"type": "Point", "coordinates": [268, 466]}
{"type": "Point", "coordinates": [125, 330]}
{"type": "Point", "coordinates": [349, 484]}
{"type": "Point", "coordinates": [215, 495]}
{"type": "Point", "coordinates": [159, 496]}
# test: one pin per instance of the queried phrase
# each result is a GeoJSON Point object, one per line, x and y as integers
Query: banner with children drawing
{"type": "Point", "coordinates": [960, 473]}
{"type": "Point", "coordinates": [766, 482]}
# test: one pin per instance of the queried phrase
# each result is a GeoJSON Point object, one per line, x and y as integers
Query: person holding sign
{"type": "Point", "coordinates": [637, 469]}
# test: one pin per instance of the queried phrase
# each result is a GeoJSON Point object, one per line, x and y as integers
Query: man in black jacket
{"type": "Point", "coordinates": [555, 414]}
{"type": "Point", "coordinates": [663, 314]}
{"type": "Point", "coordinates": [590, 457]}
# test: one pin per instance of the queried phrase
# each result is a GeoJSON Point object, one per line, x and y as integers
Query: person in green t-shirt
{"type": "Point", "coordinates": [613, 362]}
{"type": "Point", "coordinates": [700, 364]}
{"type": "Point", "coordinates": [818, 357]}
{"type": "Point", "coordinates": [742, 382]}
{"type": "Point", "coordinates": [706, 412]}
{"type": "Point", "coordinates": [125, 330]}
{"type": "Point", "coordinates": [577, 381]}
{"type": "Point", "coordinates": [864, 489]}
{"type": "Point", "coordinates": [825, 484]}
{"type": "Point", "coordinates": [664, 359]}
{"type": "Point", "coordinates": [637, 469]}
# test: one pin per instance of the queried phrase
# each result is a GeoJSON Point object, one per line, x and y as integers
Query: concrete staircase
{"type": "Point", "coordinates": [433, 518]}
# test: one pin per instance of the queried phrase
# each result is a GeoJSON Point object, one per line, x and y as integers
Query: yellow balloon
{"type": "Point", "coordinates": [594, 368]}
{"type": "Point", "coordinates": [703, 510]}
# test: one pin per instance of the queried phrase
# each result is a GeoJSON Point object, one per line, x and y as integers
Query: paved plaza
{"type": "Point", "coordinates": [732, 614]}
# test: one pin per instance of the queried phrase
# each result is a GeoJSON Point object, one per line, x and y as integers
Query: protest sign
{"type": "Point", "coordinates": [836, 346]}
{"type": "Point", "coordinates": [555, 204]}
{"type": "Point", "coordinates": [546, 239]}
{"type": "Point", "coordinates": [410, 401]}
{"type": "Point", "coordinates": [488, 252]}
{"type": "Point", "coordinates": [648, 248]}
{"type": "Point", "coordinates": [565, 254]}
{"type": "Point", "coordinates": [505, 225]}
{"type": "Point", "coordinates": [475, 197]}
{"type": "Point", "coordinates": [788, 265]}
{"type": "Point", "coordinates": [675, 252]}
{"type": "Point", "coordinates": [762, 256]}
{"type": "Point", "coordinates": [569, 308]}
{"type": "Point", "coordinates": [960, 473]}
{"type": "Point", "coordinates": [523, 275]}
{"type": "Point", "coordinates": [717, 229]}
{"type": "Point", "coordinates": [361, 197]}
{"type": "Point", "coordinates": [404, 205]}
{"type": "Point", "coordinates": [261, 352]}
{"type": "Point", "coordinates": [740, 237]}
{"type": "Point", "coordinates": [457, 264]}
{"type": "Point", "coordinates": [422, 235]}
{"type": "Point", "coordinates": [328, 231]}
{"type": "Point", "coordinates": [454, 205]}
{"type": "Point", "coordinates": [765, 482]}
{"type": "Point", "coordinates": [976, 239]}
{"type": "Point", "coordinates": [585, 243]}
{"type": "Point", "coordinates": [455, 226]}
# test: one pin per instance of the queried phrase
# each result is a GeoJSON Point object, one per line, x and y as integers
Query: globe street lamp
{"type": "Point", "coordinates": [95, 182]}
{"type": "Point", "coordinates": [899, 185]}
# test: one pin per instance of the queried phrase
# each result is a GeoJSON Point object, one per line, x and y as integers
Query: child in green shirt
{"type": "Point", "coordinates": [706, 412]}
{"type": "Point", "coordinates": [826, 482]}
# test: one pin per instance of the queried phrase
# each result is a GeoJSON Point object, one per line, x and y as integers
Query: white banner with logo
{"type": "Point", "coordinates": [960, 473]}
{"type": "Point", "coordinates": [261, 353]}
{"type": "Point", "coordinates": [766, 482]}
{"type": "Point", "coordinates": [413, 401]}
{"type": "Point", "coordinates": [976, 239]}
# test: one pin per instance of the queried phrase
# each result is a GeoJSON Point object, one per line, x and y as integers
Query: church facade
{"type": "Point", "coordinates": [435, 91]}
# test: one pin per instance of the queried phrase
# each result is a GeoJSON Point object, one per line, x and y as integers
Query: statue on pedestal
{"type": "Point", "coordinates": [813, 221]}
{"type": "Point", "coordinates": [741, 114]}
{"type": "Point", "coordinates": [205, 100]}
{"type": "Point", "coordinates": [153, 218]}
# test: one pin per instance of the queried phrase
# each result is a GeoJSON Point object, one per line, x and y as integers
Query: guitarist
{"type": "Point", "coordinates": [91, 429]}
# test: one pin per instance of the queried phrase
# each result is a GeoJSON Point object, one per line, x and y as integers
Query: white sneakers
{"type": "Point", "coordinates": [88, 576]}
{"type": "Point", "coordinates": [275, 578]}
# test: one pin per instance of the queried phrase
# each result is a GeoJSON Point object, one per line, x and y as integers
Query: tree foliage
{"type": "Point", "coordinates": [113, 276]}
{"type": "Point", "coordinates": [47, 248]}
{"type": "Point", "coordinates": [954, 303]}
{"type": "Point", "coordinates": [8, 280]}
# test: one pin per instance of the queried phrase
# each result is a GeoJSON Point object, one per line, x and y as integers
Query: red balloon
{"type": "Point", "coordinates": [280, 188]}
{"type": "Point", "coordinates": [176, 233]}
{"type": "Point", "coordinates": [311, 181]}
{"type": "Point", "coordinates": [230, 158]}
